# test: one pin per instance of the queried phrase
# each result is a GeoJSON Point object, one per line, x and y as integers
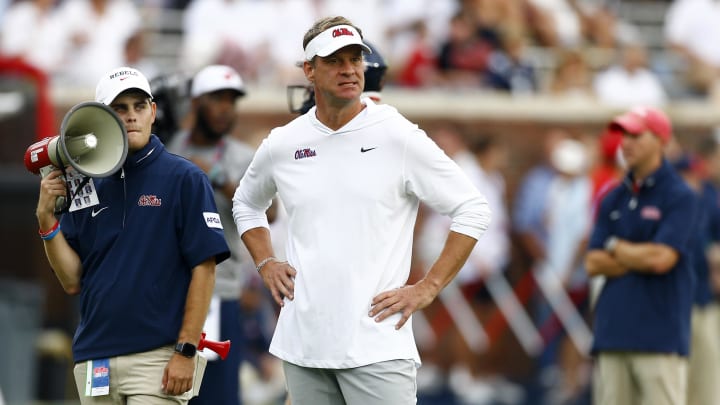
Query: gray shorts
{"type": "Point", "coordinates": [387, 382]}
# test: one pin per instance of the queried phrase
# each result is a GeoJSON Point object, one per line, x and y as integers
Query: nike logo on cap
{"type": "Point", "coordinates": [94, 213]}
{"type": "Point", "coordinates": [363, 150]}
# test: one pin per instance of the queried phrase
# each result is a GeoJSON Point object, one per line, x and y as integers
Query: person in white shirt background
{"type": "Point", "coordinates": [629, 81]}
{"type": "Point", "coordinates": [93, 34]}
{"type": "Point", "coordinates": [38, 46]}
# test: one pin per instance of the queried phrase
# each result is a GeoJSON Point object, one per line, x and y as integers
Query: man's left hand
{"type": "Point", "coordinates": [405, 300]}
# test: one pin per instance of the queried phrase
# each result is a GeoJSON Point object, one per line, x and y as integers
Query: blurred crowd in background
{"type": "Point", "coordinates": [621, 52]}
{"type": "Point", "coordinates": [505, 332]}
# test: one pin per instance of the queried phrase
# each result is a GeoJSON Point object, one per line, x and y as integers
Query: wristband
{"type": "Point", "coordinates": [51, 233]}
{"type": "Point", "coordinates": [263, 262]}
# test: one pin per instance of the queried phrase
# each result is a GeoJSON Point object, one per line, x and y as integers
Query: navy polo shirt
{"type": "Point", "coordinates": [702, 293]}
{"type": "Point", "coordinates": [154, 223]}
{"type": "Point", "coordinates": [711, 206]}
{"type": "Point", "coordinates": [644, 312]}
{"type": "Point", "coordinates": [708, 232]}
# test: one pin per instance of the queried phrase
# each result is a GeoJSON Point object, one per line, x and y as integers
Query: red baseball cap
{"type": "Point", "coordinates": [641, 119]}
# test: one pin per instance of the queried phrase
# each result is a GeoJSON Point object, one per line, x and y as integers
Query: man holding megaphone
{"type": "Point", "coordinates": [141, 255]}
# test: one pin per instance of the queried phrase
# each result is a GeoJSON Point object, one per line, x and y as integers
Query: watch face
{"type": "Point", "coordinates": [186, 349]}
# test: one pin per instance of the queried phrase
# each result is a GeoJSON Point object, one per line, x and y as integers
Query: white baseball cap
{"type": "Point", "coordinates": [117, 81]}
{"type": "Point", "coordinates": [214, 78]}
{"type": "Point", "coordinates": [333, 39]}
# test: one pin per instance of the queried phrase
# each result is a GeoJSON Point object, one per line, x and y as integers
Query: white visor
{"type": "Point", "coordinates": [333, 39]}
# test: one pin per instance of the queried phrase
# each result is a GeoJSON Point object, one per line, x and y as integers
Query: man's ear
{"type": "Point", "coordinates": [153, 106]}
{"type": "Point", "coordinates": [309, 70]}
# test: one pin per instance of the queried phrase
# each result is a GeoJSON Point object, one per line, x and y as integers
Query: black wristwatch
{"type": "Point", "coordinates": [186, 349]}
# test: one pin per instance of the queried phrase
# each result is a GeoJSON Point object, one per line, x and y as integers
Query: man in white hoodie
{"type": "Point", "coordinates": [351, 175]}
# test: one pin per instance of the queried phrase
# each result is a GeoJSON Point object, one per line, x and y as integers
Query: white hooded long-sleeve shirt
{"type": "Point", "coordinates": [351, 197]}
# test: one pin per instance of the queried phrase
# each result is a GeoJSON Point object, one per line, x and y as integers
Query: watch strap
{"type": "Point", "coordinates": [611, 244]}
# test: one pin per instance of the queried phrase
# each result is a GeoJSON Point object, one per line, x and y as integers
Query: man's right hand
{"type": "Point", "coordinates": [279, 278]}
{"type": "Point", "coordinates": [52, 186]}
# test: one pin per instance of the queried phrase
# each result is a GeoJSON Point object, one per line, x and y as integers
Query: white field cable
{"type": "Point", "coordinates": [464, 318]}
{"type": "Point", "coordinates": [562, 305]}
{"type": "Point", "coordinates": [519, 321]}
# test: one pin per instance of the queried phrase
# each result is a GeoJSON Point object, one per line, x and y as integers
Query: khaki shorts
{"type": "Point", "coordinates": [640, 379]}
{"type": "Point", "coordinates": [704, 365]}
{"type": "Point", "coordinates": [137, 378]}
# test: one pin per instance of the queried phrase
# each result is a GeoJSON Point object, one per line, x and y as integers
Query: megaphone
{"type": "Point", "coordinates": [221, 348]}
{"type": "Point", "coordinates": [92, 140]}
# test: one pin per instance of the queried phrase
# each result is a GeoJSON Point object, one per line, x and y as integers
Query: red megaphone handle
{"type": "Point", "coordinates": [211, 344]}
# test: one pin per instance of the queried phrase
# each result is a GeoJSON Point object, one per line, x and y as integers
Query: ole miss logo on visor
{"type": "Point", "coordinates": [338, 32]}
